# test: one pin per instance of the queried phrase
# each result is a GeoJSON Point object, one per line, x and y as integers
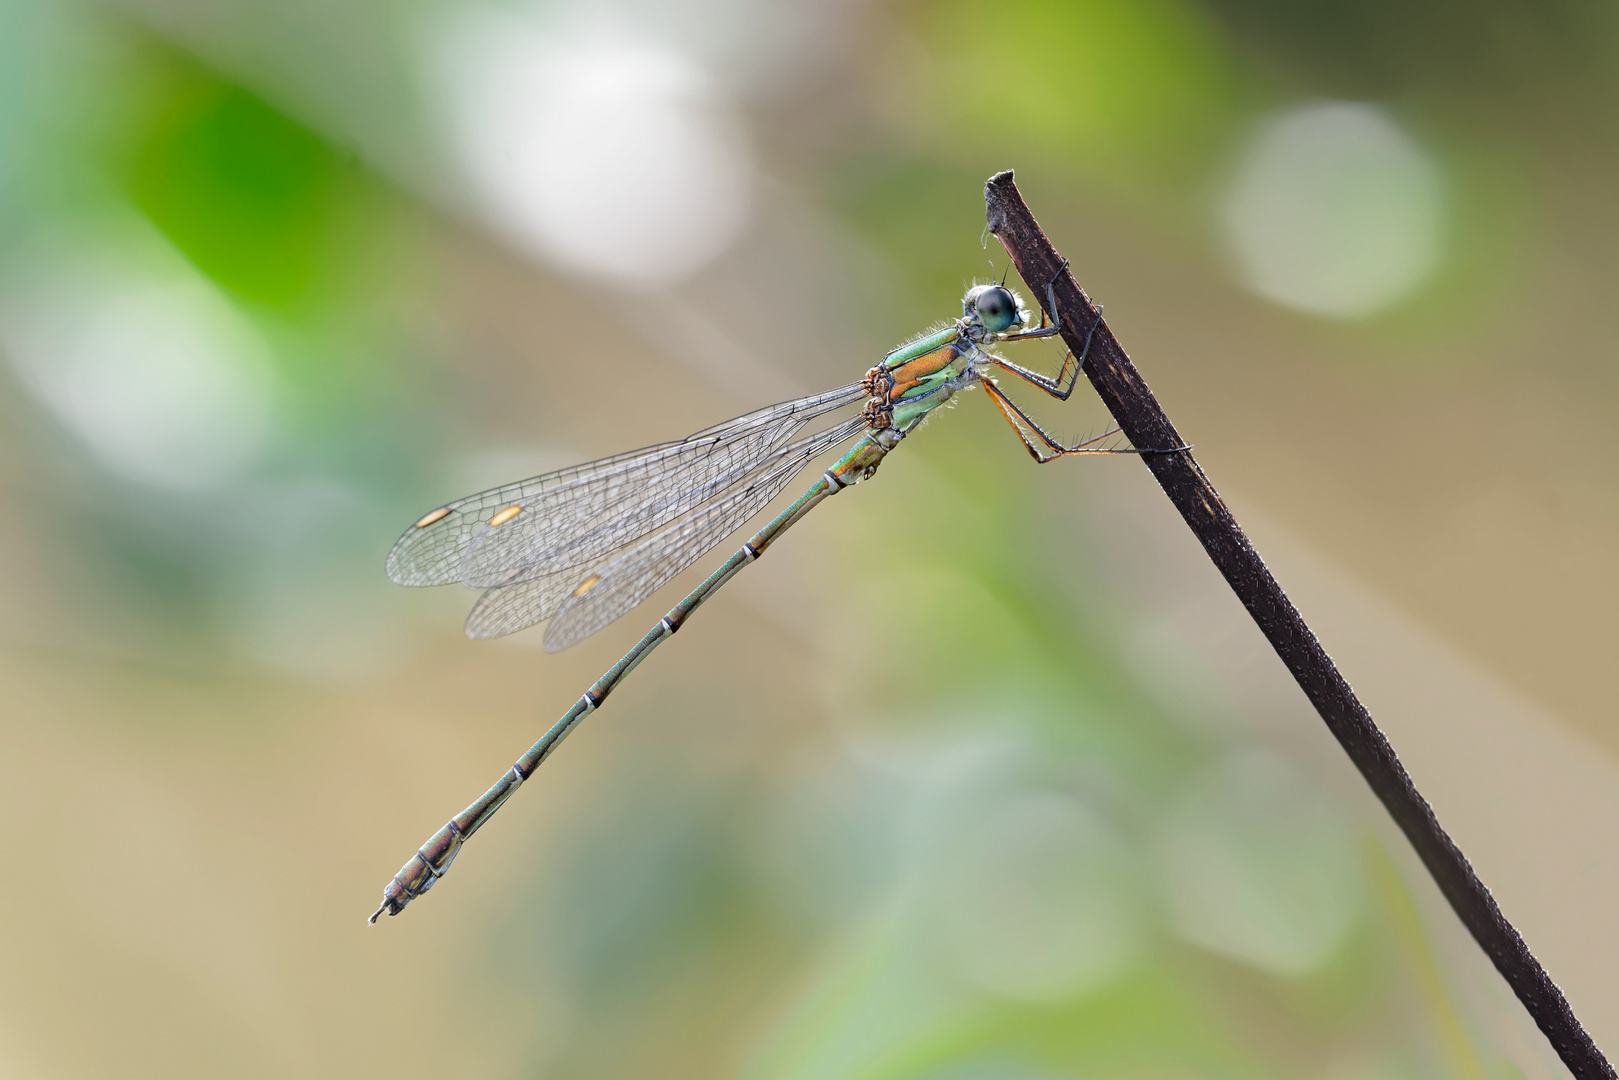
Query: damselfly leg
{"type": "Point", "coordinates": [584, 545]}
{"type": "Point", "coordinates": [1023, 424]}
{"type": "Point", "coordinates": [1060, 386]}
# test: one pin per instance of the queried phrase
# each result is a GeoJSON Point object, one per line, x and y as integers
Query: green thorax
{"type": "Point", "coordinates": [926, 372]}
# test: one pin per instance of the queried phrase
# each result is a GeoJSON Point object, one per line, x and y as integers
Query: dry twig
{"type": "Point", "coordinates": [1143, 421]}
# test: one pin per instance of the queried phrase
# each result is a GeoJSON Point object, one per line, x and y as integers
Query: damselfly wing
{"type": "Point", "coordinates": [584, 545]}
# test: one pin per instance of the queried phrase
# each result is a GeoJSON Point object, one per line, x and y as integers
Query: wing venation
{"type": "Point", "coordinates": [629, 574]}
{"type": "Point", "coordinates": [567, 517]}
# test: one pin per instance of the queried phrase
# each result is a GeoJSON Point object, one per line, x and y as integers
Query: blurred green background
{"type": "Point", "coordinates": [983, 775]}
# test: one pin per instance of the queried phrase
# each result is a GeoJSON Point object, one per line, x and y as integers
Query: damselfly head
{"type": "Point", "coordinates": [995, 306]}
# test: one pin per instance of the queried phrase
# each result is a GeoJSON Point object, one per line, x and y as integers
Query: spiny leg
{"type": "Point", "coordinates": [1061, 386]}
{"type": "Point", "coordinates": [1022, 423]}
{"type": "Point", "coordinates": [1054, 385]}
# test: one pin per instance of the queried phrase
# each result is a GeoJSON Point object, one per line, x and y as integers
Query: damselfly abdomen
{"type": "Point", "coordinates": [584, 545]}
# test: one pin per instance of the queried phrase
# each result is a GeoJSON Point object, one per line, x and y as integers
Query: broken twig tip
{"type": "Point", "coordinates": [995, 216]}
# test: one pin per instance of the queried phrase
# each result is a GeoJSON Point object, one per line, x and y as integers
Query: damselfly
{"type": "Point", "coordinates": [585, 545]}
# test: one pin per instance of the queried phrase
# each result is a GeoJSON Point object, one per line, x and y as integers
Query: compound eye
{"type": "Point", "coordinates": [997, 308]}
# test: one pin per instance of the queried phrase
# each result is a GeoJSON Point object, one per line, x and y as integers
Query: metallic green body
{"type": "Point", "coordinates": [922, 346]}
{"type": "Point", "coordinates": [432, 860]}
{"type": "Point", "coordinates": [927, 372]}
{"type": "Point", "coordinates": [910, 383]}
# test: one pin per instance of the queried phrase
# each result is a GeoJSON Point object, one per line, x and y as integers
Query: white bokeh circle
{"type": "Point", "coordinates": [612, 157]}
{"type": "Point", "coordinates": [140, 356]}
{"type": "Point", "coordinates": [1335, 210]}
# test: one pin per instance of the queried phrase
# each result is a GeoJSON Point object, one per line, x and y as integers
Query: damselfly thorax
{"type": "Point", "coordinates": [584, 545]}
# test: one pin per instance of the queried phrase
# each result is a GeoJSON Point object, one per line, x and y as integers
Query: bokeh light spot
{"type": "Point", "coordinates": [1335, 210]}
{"type": "Point", "coordinates": [611, 158]}
{"type": "Point", "coordinates": [140, 357]}
{"type": "Point", "coordinates": [1031, 907]}
{"type": "Point", "coordinates": [1257, 866]}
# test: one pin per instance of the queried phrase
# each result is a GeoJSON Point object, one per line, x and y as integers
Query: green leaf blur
{"type": "Point", "coordinates": [253, 198]}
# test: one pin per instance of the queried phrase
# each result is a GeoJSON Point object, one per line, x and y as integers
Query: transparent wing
{"type": "Point", "coordinates": [636, 574]}
{"type": "Point", "coordinates": [573, 528]}
{"type": "Point", "coordinates": [535, 594]}
{"type": "Point", "coordinates": [510, 608]}
{"type": "Point", "coordinates": [432, 551]}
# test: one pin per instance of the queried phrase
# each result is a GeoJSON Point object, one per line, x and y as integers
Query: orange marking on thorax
{"type": "Point", "coordinates": [911, 373]}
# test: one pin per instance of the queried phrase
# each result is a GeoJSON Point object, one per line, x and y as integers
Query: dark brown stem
{"type": "Point", "coordinates": [1143, 421]}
